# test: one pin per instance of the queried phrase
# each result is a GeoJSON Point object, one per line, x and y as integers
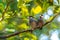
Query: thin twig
{"type": "Point", "coordinates": [51, 19]}
{"type": "Point", "coordinates": [3, 13]}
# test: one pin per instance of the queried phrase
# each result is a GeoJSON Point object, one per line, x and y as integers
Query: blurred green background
{"type": "Point", "coordinates": [16, 19]}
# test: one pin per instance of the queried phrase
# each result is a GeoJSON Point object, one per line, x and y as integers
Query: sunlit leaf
{"type": "Point", "coordinates": [23, 26]}
{"type": "Point", "coordinates": [27, 1]}
{"type": "Point", "coordinates": [54, 26]}
{"type": "Point", "coordinates": [1, 26]}
{"type": "Point", "coordinates": [26, 38]}
{"type": "Point", "coordinates": [24, 11]}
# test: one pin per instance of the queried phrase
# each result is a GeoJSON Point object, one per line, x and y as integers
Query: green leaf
{"type": "Point", "coordinates": [1, 7]}
{"type": "Point", "coordinates": [13, 5]}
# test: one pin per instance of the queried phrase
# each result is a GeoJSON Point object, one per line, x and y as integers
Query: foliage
{"type": "Point", "coordinates": [14, 17]}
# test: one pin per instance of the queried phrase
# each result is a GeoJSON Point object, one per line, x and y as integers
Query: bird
{"type": "Point", "coordinates": [40, 22]}
{"type": "Point", "coordinates": [32, 22]}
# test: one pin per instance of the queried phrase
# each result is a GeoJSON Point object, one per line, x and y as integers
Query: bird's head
{"type": "Point", "coordinates": [41, 16]}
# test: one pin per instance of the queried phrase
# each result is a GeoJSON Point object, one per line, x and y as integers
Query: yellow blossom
{"type": "Point", "coordinates": [36, 10]}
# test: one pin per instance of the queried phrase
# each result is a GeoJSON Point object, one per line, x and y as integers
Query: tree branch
{"type": "Point", "coordinates": [51, 19]}
{"type": "Point", "coordinates": [17, 33]}
{"type": "Point", "coordinates": [3, 13]}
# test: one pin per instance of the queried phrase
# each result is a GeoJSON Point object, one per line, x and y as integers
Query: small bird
{"type": "Point", "coordinates": [32, 22]}
{"type": "Point", "coordinates": [40, 22]}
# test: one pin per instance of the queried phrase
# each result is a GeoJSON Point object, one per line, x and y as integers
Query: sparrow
{"type": "Point", "coordinates": [40, 22]}
{"type": "Point", "coordinates": [32, 22]}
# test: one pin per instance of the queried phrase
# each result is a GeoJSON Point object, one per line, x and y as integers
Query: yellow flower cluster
{"type": "Point", "coordinates": [36, 10]}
